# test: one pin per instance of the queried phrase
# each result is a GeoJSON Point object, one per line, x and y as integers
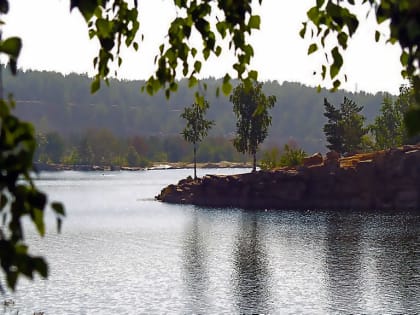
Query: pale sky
{"type": "Point", "coordinates": [54, 39]}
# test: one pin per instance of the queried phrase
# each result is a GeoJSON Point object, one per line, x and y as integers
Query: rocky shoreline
{"type": "Point", "coordinates": [383, 180]}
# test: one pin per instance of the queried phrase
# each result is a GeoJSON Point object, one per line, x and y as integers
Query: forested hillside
{"type": "Point", "coordinates": [54, 102]}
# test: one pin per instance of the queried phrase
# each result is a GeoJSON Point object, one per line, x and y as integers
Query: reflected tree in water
{"type": "Point", "coordinates": [251, 268]}
{"type": "Point", "coordinates": [194, 267]}
{"type": "Point", "coordinates": [343, 263]}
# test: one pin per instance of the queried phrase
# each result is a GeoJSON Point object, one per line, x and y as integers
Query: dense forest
{"type": "Point", "coordinates": [63, 105]}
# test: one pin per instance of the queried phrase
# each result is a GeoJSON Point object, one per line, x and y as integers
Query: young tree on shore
{"type": "Point", "coordinates": [251, 106]}
{"type": "Point", "coordinates": [197, 126]}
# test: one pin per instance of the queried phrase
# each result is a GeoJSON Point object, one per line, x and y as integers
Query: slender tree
{"type": "Point", "coordinates": [250, 106]}
{"type": "Point", "coordinates": [197, 126]}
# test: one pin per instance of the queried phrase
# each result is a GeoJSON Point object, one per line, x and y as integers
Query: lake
{"type": "Point", "coordinates": [122, 252]}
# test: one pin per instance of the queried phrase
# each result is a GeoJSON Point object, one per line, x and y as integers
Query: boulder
{"type": "Point", "coordinates": [332, 156]}
{"type": "Point", "coordinates": [313, 160]}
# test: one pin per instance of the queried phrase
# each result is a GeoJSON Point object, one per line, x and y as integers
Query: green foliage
{"type": "Point", "coordinates": [344, 129]}
{"type": "Point", "coordinates": [113, 22]}
{"type": "Point", "coordinates": [197, 126]}
{"type": "Point", "coordinates": [408, 102]}
{"type": "Point", "coordinates": [72, 157]}
{"type": "Point", "coordinates": [99, 146]}
{"type": "Point", "coordinates": [50, 147]}
{"type": "Point", "coordinates": [353, 126]}
{"type": "Point", "coordinates": [217, 149]}
{"type": "Point", "coordinates": [137, 151]}
{"type": "Point", "coordinates": [367, 143]}
{"type": "Point", "coordinates": [20, 198]}
{"type": "Point", "coordinates": [291, 156]}
{"type": "Point", "coordinates": [270, 159]}
{"type": "Point", "coordinates": [333, 129]}
{"type": "Point", "coordinates": [133, 158]}
{"type": "Point", "coordinates": [11, 46]}
{"type": "Point", "coordinates": [389, 128]}
{"type": "Point", "coordinates": [338, 20]}
{"type": "Point", "coordinates": [250, 106]}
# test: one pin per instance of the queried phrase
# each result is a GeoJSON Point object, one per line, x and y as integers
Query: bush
{"type": "Point", "coordinates": [270, 159]}
{"type": "Point", "coordinates": [290, 156]}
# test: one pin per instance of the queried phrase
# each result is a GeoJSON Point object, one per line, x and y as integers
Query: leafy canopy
{"type": "Point", "coordinates": [114, 22]}
{"type": "Point", "coordinates": [197, 126]}
{"type": "Point", "coordinates": [19, 198]}
{"type": "Point", "coordinates": [251, 106]}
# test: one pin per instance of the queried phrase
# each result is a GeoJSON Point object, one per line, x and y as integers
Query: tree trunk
{"type": "Point", "coordinates": [254, 164]}
{"type": "Point", "coordinates": [195, 162]}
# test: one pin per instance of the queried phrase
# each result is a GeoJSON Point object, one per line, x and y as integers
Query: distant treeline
{"type": "Point", "coordinates": [102, 147]}
{"type": "Point", "coordinates": [63, 104]}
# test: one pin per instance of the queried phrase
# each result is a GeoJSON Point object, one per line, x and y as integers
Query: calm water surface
{"type": "Point", "coordinates": [122, 252]}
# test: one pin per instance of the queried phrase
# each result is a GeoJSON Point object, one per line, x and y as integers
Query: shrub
{"type": "Point", "coordinates": [290, 156]}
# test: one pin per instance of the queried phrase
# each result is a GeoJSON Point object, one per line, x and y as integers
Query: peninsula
{"type": "Point", "coordinates": [382, 180]}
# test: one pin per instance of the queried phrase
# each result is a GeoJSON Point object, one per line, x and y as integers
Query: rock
{"type": "Point", "coordinates": [184, 181]}
{"type": "Point", "coordinates": [332, 156]}
{"type": "Point", "coordinates": [409, 147]}
{"type": "Point", "coordinates": [332, 160]}
{"type": "Point", "coordinates": [313, 160]}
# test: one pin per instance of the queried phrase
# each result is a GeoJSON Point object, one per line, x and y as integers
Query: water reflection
{"type": "Point", "coordinates": [343, 263]}
{"type": "Point", "coordinates": [251, 273]}
{"type": "Point", "coordinates": [195, 272]}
